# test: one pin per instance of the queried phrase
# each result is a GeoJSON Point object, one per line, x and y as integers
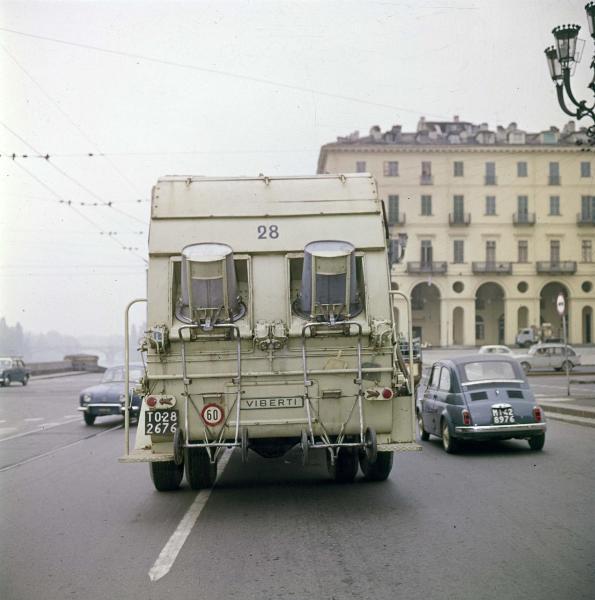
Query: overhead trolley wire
{"type": "Point", "coordinates": [261, 80]}
{"type": "Point", "coordinates": [71, 121]}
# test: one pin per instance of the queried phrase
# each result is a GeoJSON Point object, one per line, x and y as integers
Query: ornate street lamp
{"type": "Point", "coordinates": [561, 59]}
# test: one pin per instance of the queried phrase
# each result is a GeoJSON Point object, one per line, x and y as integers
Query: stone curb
{"type": "Point", "coordinates": [574, 411]}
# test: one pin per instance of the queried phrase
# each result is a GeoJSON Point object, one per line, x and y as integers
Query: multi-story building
{"type": "Point", "coordinates": [499, 223]}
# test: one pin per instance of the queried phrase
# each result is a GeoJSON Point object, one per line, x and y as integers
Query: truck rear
{"type": "Point", "coordinates": [270, 326]}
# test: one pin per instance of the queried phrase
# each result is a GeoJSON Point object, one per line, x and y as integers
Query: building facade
{"type": "Point", "coordinates": [499, 223]}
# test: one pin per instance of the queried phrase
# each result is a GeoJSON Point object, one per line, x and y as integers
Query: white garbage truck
{"type": "Point", "coordinates": [270, 328]}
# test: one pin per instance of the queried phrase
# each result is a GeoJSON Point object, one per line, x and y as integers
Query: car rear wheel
{"type": "Point", "coordinates": [537, 441]}
{"type": "Point", "coordinates": [450, 444]}
{"type": "Point", "coordinates": [89, 419]}
{"type": "Point", "coordinates": [345, 468]}
{"type": "Point", "coordinates": [526, 367]}
{"type": "Point", "coordinates": [200, 471]}
{"type": "Point", "coordinates": [423, 434]}
{"type": "Point", "coordinates": [166, 476]}
{"type": "Point", "coordinates": [570, 366]}
{"type": "Point", "coordinates": [25, 380]}
{"type": "Point", "coordinates": [7, 380]}
{"type": "Point", "coordinates": [378, 471]}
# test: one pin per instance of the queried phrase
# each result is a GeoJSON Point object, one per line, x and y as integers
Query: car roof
{"type": "Point", "coordinates": [468, 358]}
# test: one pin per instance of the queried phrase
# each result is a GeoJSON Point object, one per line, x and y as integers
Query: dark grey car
{"type": "Point", "coordinates": [13, 369]}
{"type": "Point", "coordinates": [479, 397]}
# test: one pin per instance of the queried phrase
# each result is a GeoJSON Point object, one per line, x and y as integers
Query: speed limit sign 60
{"type": "Point", "coordinates": [212, 414]}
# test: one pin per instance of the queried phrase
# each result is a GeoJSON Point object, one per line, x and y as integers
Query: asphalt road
{"type": "Point", "coordinates": [497, 521]}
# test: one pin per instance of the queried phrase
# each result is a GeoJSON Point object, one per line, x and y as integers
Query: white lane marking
{"type": "Point", "coordinates": [32, 419]}
{"type": "Point", "coordinates": [4, 430]}
{"type": "Point", "coordinates": [70, 417]}
{"type": "Point", "coordinates": [56, 450]}
{"type": "Point", "coordinates": [2, 420]}
{"type": "Point", "coordinates": [38, 430]}
{"type": "Point", "coordinates": [170, 551]}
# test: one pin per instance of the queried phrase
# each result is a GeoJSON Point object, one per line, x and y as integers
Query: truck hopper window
{"type": "Point", "coordinates": [329, 288]}
{"type": "Point", "coordinates": [208, 286]}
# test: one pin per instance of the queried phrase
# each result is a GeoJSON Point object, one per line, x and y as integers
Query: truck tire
{"type": "Point", "coordinates": [89, 418]}
{"type": "Point", "coordinates": [345, 468]}
{"type": "Point", "coordinates": [200, 472]}
{"type": "Point", "coordinates": [166, 476]}
{"type": "Point", "coordinates": [380, 470]}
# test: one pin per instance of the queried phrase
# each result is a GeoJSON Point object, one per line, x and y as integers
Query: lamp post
{"type": "Point", "coordinates": [561, 58]}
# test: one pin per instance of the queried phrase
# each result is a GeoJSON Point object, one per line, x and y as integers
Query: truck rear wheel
{"type": "Point", "coordinates": [200, 472]}
{"type": "Point", "coordinates": [166, 476]}
{"type": "Point", "coordinates": [345, 468]}
{"type": "Point", "coordinates": [380, 469]}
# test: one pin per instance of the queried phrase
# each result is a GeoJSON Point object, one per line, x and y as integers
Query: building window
{"type": "Point", "coordinates": [458, 168]}
{"type": "Point", "coordinates": [554, 174]}
{"type": "Point", "coordinates": [523, 207]}
{"type": "Point", "coordinates": [426, 252]}
{"type": "Point", "coordinates": [490, 176]}
{"type": "Point", "coordinates": [458, 209]}
{"type": "Point", "coordinates": [555, 205]}
{"type": "Point", "coordinates": [426, 205]}
{"type": "Point", "coordinates": [587, 251]}
{"type": "Point", "coordinates": [393, 209]}
{"type": "Point", "coordinates": [459, 251]}
{"type": "Point", "coordinates": [391, 168]}
{"type": "Point", "coordinates": [360, 166]}
{"type": "Point", "coordinates": [491, 252]}
{"type": "Point", "coordinates": [479, 328]}
{"type": "Point", "coordinates": [588, 208]}
{"type": "Point", "coordinates": [585, 169]}
{"type": "Point", "coordinates": [521, 169]}
{"type": "Point", "coordinates": [426, 172]}
{"type": "Point", "coordinates": [523, 251]}
{"type": "Point", "coordinates": [490, 205]}
{"type": "Point", "coordinates": [555, 252]}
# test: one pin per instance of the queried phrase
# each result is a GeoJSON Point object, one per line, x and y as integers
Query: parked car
{"type": "Point", "coordinates": [549, 356]}
{"type": "Point", "coordinates": [496, 350]}
{"type": "Point", "coordinates": [479, 398]}
{"type": "Point", "coordinates": [107, 398]}
{"type": "Point", "coordinates": [13, 369]}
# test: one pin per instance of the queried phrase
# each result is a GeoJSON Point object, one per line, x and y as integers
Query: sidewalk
{"type": "Point", "coordinates": [577, 410]}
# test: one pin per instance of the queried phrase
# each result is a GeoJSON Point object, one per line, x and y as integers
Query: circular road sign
{"type": "Point", "coordinates": [212, 414]}
{"type": "Point", "coordinates": [560, 304]}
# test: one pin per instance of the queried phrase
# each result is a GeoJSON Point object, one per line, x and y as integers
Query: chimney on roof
{"type": "Point", "coordinates": [421, 124]}
{"type": "Point", "coordinates": [375, 133]}
{"type": "Point", "coordinates": [483, 127]}
{"type": "Point", "coordinates": [512, 126]}
{"type": "Point", "coordinates": [456, 118]}
{"type": "Point", "coordinates": [569, 128]}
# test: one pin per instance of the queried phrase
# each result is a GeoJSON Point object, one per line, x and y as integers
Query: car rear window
{"type": "Point", "coordinates": [493, 369]}
{"type": "Point", "coordinates": [5, 363]}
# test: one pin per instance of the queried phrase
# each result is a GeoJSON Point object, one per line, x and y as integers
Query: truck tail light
{"type": "Point", "coordinates": [151, 401]}
{"type": "Point", "coordinates": [387, 393]}
{"type": "Point", "coordinates": [537, 414]}
{"type": "Point", "coordinates": [466, 417]}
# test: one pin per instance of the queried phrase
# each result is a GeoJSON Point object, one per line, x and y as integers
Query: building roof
{"type": "Point", "coordinates": [457, 134]}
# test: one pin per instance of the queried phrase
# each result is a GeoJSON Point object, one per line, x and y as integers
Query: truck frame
{"type": "Point", "coordinates": [270, 326]}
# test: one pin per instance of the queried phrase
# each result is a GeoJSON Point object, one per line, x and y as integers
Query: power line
{"type": "Point", "coordinates": [261, 80]}
{"type": "Point", "coordinates": [69, 119]}
{"type": "Point", "coordinates": [70, 178]}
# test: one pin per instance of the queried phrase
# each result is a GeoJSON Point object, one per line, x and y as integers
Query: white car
{"type": "Point", "coordinates": [496, 350]}
{"type": "Point", "coordinates": [549, 356]}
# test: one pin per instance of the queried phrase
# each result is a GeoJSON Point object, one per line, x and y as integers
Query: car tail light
{"type": "Point", "coordinates": [537, 413]}
{"type": "Point", "coordinates": [151, 401]}
{"type": "Point", "coordinates": [466, 417]}
{"type": "Point", "coordinates": [387, 393]}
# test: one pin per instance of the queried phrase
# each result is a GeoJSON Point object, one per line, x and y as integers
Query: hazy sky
{"type": "Point", "coordinates": [221, 88]}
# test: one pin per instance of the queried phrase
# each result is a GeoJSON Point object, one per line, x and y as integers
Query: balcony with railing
{"type": "Point", "coordinates": [459, 219]}
{"type": "Point", "coordinates": [426, 179]}
{"type": "Point", "coordinates": [523, 218]}
{"type": "Point", "coordinates": [492, 267]}
{"type": "Point", "coordinates": [490, 180]}
{"type": "Point", "coordinates": [556, 267]}
{"type": "Point", "coordinates": [427, 268]}
{"type": "Point", "coordinates": [396, 219]}
{"type": "Point", "coordinates": [584, 220]}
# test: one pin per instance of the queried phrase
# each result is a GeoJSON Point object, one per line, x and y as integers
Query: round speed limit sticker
{"type": "Point", "coordinates": [212, 414]}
